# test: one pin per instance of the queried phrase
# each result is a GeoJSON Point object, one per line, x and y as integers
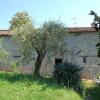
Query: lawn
{"type": "Point", "coordinates": [26, 87]}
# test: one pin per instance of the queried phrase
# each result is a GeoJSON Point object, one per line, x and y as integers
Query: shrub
{"type": "Point", "coordinates": [14, 65]}
{"type": "Point", "coordinates": [66, 74]}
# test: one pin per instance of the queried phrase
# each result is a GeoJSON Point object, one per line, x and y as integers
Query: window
{"type": "Point", "coordinates": [84, 60]}
{"type": "Point", "coordinates": [17, 56]}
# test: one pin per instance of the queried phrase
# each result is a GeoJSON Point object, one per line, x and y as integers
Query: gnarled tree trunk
{"type": "Point", "coordinates": [38, 64]}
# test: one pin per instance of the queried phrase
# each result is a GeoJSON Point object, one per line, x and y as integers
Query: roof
{"type": "Point", "coordinates": [81, 29]}
{"type": "Point", "coordinates": [5, 32]}
{"type": "Point", "coordinates": [70, 30]}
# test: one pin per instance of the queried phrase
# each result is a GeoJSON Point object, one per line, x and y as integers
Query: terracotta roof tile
{"type": "Point", "coordinates": [81, 29]}
{"type": "Point", "coordinates": [5, 32]}
{"type": "Point", "coordinates": [70, 30]}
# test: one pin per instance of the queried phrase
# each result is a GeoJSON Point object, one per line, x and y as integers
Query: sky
{"type": "Point", "coordinates": [73, 13]}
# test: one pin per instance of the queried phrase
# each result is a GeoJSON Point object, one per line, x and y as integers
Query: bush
{"type": "Point", "coordinates": [14, 65]}
{"type": "Point", "coordinates": [66, 74]}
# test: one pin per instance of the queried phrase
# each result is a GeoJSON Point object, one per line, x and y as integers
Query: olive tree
{"type": "Point", "coordinates": [45, 39]}
{"type": "Point", "coordinates": [20, 19]}
{"type": "Point", "coordinates": [3, 52]}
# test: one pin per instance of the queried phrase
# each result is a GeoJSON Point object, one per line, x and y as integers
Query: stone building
{"type": "Point", "coordinates": [81, 43]}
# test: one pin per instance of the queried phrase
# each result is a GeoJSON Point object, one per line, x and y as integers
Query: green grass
{"type": "Point", "coordinates": [26, 87]}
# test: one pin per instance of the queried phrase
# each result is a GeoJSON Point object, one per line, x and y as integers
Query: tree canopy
{"type": "Point", "coordinates": [45, 39]}
{"type": "Point", "coordinates": [20, 19]}
{"type": "Point", "coordinates": [96, 24]}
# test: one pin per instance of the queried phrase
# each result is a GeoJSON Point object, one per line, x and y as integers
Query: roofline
{"type": "Point", "coordinates": [4, 30]}
{"type": "Point", "coordinates": [81, 29]}
{"type": "Point", "coordinates": [70, 30]}
{"type": "Point", "coordinates": [5, 34]}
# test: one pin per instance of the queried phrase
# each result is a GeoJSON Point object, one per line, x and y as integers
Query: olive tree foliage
{"type": "Point", "coordinates": [44, 40]}
{"type": "Point", "coordinates": [3, 53]}
{"type": "Point", "coordinates": [20, 19]}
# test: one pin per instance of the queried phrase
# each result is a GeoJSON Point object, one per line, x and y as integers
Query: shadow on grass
{"type": "Point", "coordinates": [28, 79]}
{"type": "Point", "coordinates": [94, 92]}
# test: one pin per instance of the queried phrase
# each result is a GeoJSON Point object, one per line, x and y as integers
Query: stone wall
{"type": "Point", "coordinates": [85, 43]}
{"type": "Point", "coordinates": [90, 72]}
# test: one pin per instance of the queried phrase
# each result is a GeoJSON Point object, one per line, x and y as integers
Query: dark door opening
{"type": "Point", "coordinates": [58, 61]}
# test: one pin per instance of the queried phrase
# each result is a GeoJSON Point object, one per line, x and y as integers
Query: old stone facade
{"type": "Point", "coordinates": [81, 43]}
